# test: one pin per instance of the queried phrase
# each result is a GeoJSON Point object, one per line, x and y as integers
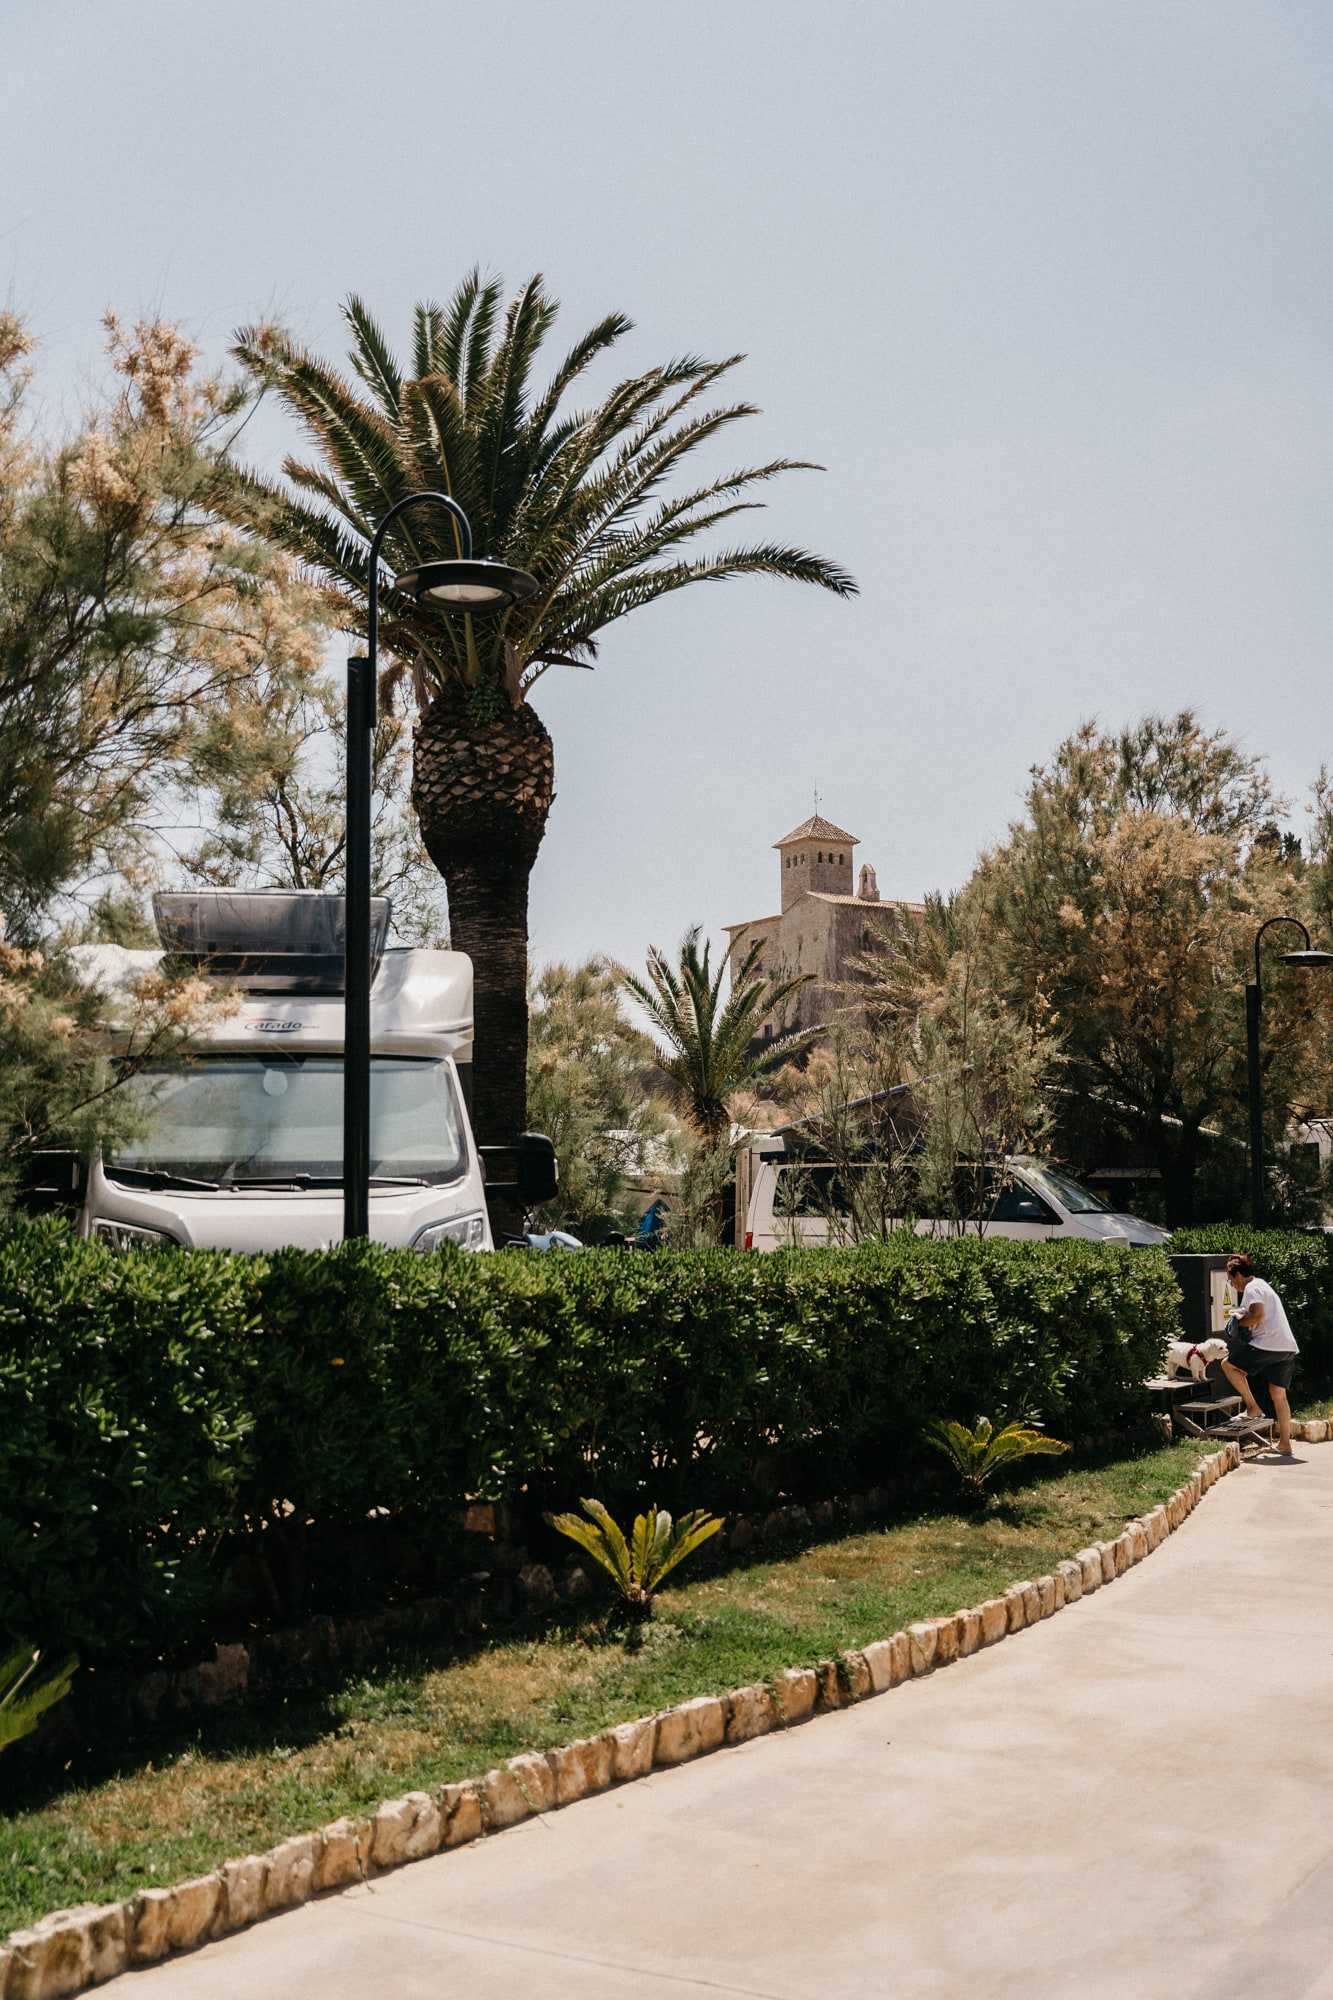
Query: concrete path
{"type": "Point", "coordinates": [1133, 1800]}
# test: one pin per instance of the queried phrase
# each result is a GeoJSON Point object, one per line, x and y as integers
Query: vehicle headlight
{"type": "Point", "coordinates": [467, 1231]}
{"type": "Point", "coordinates": [131, 1235]}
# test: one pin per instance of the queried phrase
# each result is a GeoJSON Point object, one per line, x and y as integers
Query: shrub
{"type": "Point", "coordinates": [188, 1439]}
{"type": "Point", "coordinates": [640, 1566]}
{"type": "Point", "coordinates": [976, 1455]}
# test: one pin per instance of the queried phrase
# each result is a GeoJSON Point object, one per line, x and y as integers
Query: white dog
{"type": "Point", "coordinates": [1186, 1357]}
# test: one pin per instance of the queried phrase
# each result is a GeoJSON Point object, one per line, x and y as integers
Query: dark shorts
{"type": "Point", "coordinates": [1263, 1364]}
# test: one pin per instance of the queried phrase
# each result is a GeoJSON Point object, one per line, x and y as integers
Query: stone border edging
{"type": "Point", "coordinates": [71, 1950]}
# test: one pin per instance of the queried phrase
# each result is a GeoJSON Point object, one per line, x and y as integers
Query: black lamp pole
{"type": "Point", "coordinates": [362, 680]}
{"type": "Point", "coordinates": [1254, 1000]}
{"type": "Point", "coordinates": [450, 584]}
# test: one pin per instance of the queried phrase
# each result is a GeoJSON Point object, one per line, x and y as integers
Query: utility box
{"type": "Point", "coordinates": [1205, 1298]}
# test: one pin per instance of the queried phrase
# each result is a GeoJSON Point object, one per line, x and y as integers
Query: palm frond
{"type": "Point", "coordinates": [24, 1699]}
{"type": "Point", "coordinates": [371, 356]}
{"type": "Point", "coordinates": [578, 498]}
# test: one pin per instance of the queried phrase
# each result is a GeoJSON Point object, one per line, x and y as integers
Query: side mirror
{"type": "Point", "coordinates": [52, 1180]}
{"type": "Point", "coordinates": [537, 1172]}
{"type": "Point", "coordinates": [528, 1168]}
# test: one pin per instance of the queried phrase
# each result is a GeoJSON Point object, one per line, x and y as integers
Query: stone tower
{"type": "Point", "coordinates": [815, 856]}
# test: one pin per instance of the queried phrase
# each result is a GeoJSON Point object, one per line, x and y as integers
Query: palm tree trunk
{"type": "Point", "coordinates": [482, 786]}
{"type": "Point", "coordinates": [488, 919]}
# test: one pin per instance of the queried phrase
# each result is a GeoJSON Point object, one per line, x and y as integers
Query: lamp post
{"type": "Point", "coordinates": [1311, 961]}
{"type": "Point", "coordinates": [459, 584]}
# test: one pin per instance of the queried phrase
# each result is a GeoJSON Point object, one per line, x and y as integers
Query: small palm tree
{"type": "Point", "coordinates": [978, 1454]}
{"type": "Point", "coordinates": [711, 1047]}
{"type": "Point", "coordinates": [640, 1566]}
{"type": "Point", "coordinates": [24, 1701]}
{"type": "Point", "coordinates": [576, 497]}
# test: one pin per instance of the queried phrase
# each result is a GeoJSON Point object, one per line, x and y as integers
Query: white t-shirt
{"type": "Point", "coordinates": [1272, 1330]}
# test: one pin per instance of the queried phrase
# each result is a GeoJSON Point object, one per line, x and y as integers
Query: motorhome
{"type": "Point", "coordinates": [240, 1145]}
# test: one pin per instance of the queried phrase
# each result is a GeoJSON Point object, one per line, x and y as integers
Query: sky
{"type": "Point", "coordinates": [1044, 285]}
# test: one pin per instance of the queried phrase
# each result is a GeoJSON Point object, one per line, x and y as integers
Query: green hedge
{"type": "Point", "coordinates": [1299, 1266]}
{"type": "Point", "coordinates": [184, 1436]}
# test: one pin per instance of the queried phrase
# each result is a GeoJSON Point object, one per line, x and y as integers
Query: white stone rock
{"type": "Point", "coordinates": [794, 1694]}
{"type": "Point", "coordinates": [1032, 1611]}
{"type": "Point", "coordinates": [537, 1779]}
{"type": "Point", "coordinates": [831, 1693]}
{"type": "Point", "coordinates": [194, 1909]}
{"type": "Point", "coordinates": [1110, 1569]}
{"type": "Point", "coordinates": [290, 1876]}
{"type": "Point", "coordinates": [946, 1641]}
{"type": "Point", "coordinates": [581, 1769]}
{"type": "Point", "coordinates": [1070, 1574]}
{"type": "Point", "coordinates": [460, 1813]}
{"type": "Point", "coordinates": [343, 1853]}
{"type": "Point", "coordinates": [923, 1637]}
{"type": "Point", "coordinates": [243, 1898]}
{"type": "Point", "coordinates": [879, 1659]}
{"type": "Point", "coordinates": [1090, 1567]}
{"type": "Point", "coordinates": [149, 1918]}
{"type": "Point", "coordinates": [53, 1957]}
{"type": "Point", "coordinates": [1016, 1607]}
{"type": "Point", "coordinates": [690, 1730]}
{"type": "Point", "coordinates": [857, 1683]}
{"type": "Point", "coordinates": [1316, 1430]}
{"type": "Point", "coordinates": [750, 1713]}
{"type": "Point", "coordinates": [994, 1620]}
{"type": "Point", "coordinates": [632, 1748]}
{"type": "Point", "coordinates": [969, 1632]}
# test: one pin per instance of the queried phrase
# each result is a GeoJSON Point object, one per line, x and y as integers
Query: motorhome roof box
{"type": "Point", "coordinates": [267, 940]}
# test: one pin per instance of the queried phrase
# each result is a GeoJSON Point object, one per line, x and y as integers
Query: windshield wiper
{"type": "Point", "coordinates": [156, 1177]}
{"type": "Point", "coordinates": [284, 1181]}
{"type": "Point", "coordinates": [399, 1180]}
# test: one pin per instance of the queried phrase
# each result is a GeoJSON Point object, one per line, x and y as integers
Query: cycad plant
{"type": "Point", "coordinates": [638, 1567]}
{"type": "Point", "coordinates": [576, 496]}
{"type": "Point", "coordinates": [712, 1046]}
{"type": "Point", "coordinates": [24, 1700]}
{"type": "Point", "coordinates": [976, 1455]}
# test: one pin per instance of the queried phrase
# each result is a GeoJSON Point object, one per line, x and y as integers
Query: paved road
{"type": "Point", "coordinates": [1133, 1800]}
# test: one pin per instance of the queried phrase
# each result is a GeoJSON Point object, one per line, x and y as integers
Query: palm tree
{"type": "Point", "coordinates": [711, 1047]}
{"type": "Point", "coordinates": [575, 496]}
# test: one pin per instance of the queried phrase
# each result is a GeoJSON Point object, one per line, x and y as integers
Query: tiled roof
{"type": "Point", "coordinates": [816, 828]}
{"type": "Point", "coordinates": [865, 902]}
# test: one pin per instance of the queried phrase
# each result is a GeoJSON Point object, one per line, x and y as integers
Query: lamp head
{"type": "Point", "coordinates": [467, 586]}
{"type": "Point", "coordinates": [1308, 961]}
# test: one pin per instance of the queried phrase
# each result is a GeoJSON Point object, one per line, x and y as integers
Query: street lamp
{"type": "Point", "coordinates": [462, 584]}
{"type": "Point", "coordinates": [1312, 961]}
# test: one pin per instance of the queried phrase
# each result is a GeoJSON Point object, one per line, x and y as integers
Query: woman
{"type": "Point", "coordinates": [1262, 1346]}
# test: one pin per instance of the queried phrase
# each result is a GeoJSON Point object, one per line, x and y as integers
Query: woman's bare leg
{"type": "Point", "coordinates": [1240, 1382]}
{"type": "Point", "coordinates": [1283, 1408]}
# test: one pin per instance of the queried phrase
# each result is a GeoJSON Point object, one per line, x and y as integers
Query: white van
{"type": "Point", "coordinates": [241, 1147]}
{"type": "Point", "coordinates": [790, 1199]}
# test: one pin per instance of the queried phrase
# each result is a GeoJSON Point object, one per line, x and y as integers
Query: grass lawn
{"type": "Point", "coordinates": [234, 1783]}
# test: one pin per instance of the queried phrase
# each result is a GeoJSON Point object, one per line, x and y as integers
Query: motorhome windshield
{"type": "Point", "coordinates": [1071, 1195]}
{"type": "Point", "coordinates": [237, 1120]}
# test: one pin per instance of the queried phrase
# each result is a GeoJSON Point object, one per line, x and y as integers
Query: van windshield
{"type": "Point", "coordinates": [231, 1119]}
{"type": "Point", "coordinates": [1069, 1194]}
